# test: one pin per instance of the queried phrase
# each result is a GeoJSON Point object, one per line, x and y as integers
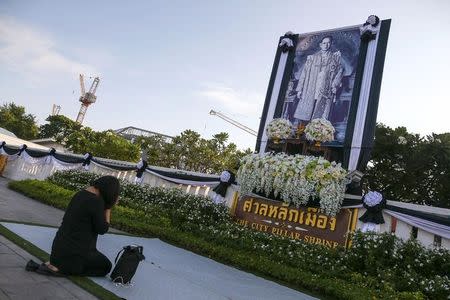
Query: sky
{"type": "Point", "coordinates": [163, 65]}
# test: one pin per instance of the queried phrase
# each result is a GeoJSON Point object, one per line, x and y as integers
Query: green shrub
{"type": "Point", "coordinates": [377, 265]}
{"type": "Point", "coordinates": [43, 191]}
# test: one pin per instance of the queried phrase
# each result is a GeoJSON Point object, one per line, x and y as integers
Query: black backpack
{"type": "Point", "coordinates": [127, 264]}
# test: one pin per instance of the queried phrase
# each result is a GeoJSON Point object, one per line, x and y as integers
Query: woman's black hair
{"type": "Point", "coordinates": [109, 188]}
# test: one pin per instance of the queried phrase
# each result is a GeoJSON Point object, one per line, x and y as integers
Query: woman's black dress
{"type": "Point", "coordinates": [74, 249]}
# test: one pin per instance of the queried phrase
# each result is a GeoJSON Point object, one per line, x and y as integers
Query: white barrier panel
{"type": "Point", "coordinates": [23, 167]}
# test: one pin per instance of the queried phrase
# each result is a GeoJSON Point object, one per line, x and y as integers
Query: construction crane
{"type": "Point", "coordinates": [55, 110]}
{"type": "Point", "coordinates": [86, 98]}
{"type": "Point", "coordinates": [231, 121]}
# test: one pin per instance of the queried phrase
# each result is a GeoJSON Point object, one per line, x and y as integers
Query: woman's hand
{"type": "Point", "coordinates": [108, 215]}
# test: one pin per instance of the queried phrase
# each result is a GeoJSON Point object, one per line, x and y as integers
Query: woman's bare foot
{"type": "Point", "coordinates": [51, 267]}
{"type": "Point", "coordinates": [48, 269]}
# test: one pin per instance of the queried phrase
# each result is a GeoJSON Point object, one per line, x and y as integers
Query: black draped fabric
{"type": "Point", "coordinates": [221, 188]}
{"type": "Point", "coordinates": [439, 219]}
{"type": "Point", "coordinates": [372, 109]}
{"type": "Point", "coordinates": [10, 150]}
{"type": "Point", "coordinates": [114, 166]}
{"type": "Point", "coordinates": [183, 176]}
{"type": "Point", "coordinates": [37, 153]}
{"type": "Point", "coordinates": [354, 103]}
{"type": "Point", "coordinates": [374, 94]}
{"type": "Point", "coordinates": [67, 158]}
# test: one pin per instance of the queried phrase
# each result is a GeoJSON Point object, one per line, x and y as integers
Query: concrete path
{"type": "Point", "coordinates": [170, 272]}
{"type": "Point", "coordinates": [18, 284]}
{"type": "Point", "coordinates": [15, 282]}
{"type": "Point", "coordinates": [19, 208]}
{"type": "Point", "coordinates": [166, 266]}
{"type": "Point", "coordinates": [16, 207]}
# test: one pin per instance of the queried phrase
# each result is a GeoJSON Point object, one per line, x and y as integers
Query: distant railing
{"type": "Point", "coordinates": [20, 168]}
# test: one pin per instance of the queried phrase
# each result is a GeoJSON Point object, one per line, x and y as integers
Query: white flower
{"type": "Point", "coordinates": [279, 129]}
{"type": "Point", "coordinates": [319, 130]}
{"type": "Point", "coordinates": [295, 179]}
{"type": "Point", "coordinates": [372, 198]}
{"type": "Point", "coordinates": [402, 140]}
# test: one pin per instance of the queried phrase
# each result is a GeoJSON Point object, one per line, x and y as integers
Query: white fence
{"type": "Point", "coordinates": [26, 167]}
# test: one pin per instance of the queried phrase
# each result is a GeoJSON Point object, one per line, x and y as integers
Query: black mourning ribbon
{"type": "Point", "coordinates": [140, 171]}
{"type": "Point", "coordinates": [374, 214]}
{"type": "Point", "coordinates": [23, 148]}
{"type": "Point", "coordinates": [368, 35]}
{"type": "Point", "coordinates": [221, 188]}
{"type": "Point", "coordinates": [87, 160]}
{"type": "Point", "coordinates": [284, 45]}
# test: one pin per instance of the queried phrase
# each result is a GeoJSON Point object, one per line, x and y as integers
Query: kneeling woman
{"type": "Point", "coordinates": [74, 249]}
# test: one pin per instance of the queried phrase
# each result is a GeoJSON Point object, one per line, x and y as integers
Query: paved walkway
{"type": "Point", "coordinates": [15, 282]}
{"type": "Point", "coordinates": [170, 272]}
{"type": "Point", "coordinates": [16, 207]}
{"type": "Point", "coordinates": [19, 208]}
{"type": "Point", "coordinates": [18, 284]}
{"type": "Point", "coordinates": [195, 276]}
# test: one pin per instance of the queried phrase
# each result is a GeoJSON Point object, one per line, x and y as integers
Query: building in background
{"type": "Point", "coordinates": [50, 143]}
{"type": "Point", "coordinates": [130, 133]}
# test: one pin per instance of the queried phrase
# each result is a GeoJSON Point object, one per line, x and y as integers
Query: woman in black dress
{"type": "Point", "coordinates": [74, 249]}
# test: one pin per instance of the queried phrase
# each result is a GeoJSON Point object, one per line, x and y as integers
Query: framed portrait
{"type": "Point", "coordinates": [332, 74]}
{"type": "Point", "coordinates": [322, 79]}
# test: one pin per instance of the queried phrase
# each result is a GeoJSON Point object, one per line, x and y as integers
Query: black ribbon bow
{"type": "Point", "coordinates": [140, 170]}
{"type": "Point", "coordinates": [23, 148]}
{"type": "Point", "coordinates": [221, 189]}
{"type": "Point", "coordinates": [373, 214]}
{"type": "Point", "coordinates": [87, 159]}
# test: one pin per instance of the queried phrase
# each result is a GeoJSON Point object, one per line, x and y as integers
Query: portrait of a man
{"type": "Point", "coordinates": [321, 83]}
{"type": "Point", "coordinates": [319, 80]}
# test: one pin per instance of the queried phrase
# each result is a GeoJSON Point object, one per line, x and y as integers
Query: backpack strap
{"type": "Point", "coordinates": [117, 257]}
{"type": "Point", "coordinates": [140, 249]}
{"type": "Point", "coordinates": [141, 254]}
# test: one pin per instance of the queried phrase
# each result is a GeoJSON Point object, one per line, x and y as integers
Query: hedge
{"type": "Point", "coordinates": [338, 274]}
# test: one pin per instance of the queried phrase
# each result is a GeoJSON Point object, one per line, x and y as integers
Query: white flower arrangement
{"type": "Point", "coordinates": [295, 178]}
{"type": "Point", "coordinates": [402, 140]}
{"type": "Point", "coordinates": [373, 198]}
{"type": "Point", "coordinates": [279, 129]}
{"type": "Point", "coordinates": [319, 130]}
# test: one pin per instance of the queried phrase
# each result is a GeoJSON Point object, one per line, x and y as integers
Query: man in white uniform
{"type": "Point", "coordinates": [318, 83]}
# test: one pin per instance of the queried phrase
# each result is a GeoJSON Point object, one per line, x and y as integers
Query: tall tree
{"type": "Point", "coordinates": [154, 146]}
{"type": "Point", "coordinates": [14, 118]}
{"type": "Point", "coordinates": [106, 144]}
{"type": "Point", "coordinates": [410, 168]}
{"type": "Point", "coordinates": [189, 151]}
{"type": "Point", "coordinates": [58, 127]}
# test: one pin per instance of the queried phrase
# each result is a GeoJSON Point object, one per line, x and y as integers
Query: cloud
{"type": "Point", "coordinates": [229, 99]}
{"type": "Point", "coordinates": [26, 50]}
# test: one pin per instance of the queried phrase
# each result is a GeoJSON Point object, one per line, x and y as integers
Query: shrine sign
{"type": "Point", "coordinates": [301, 223]}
